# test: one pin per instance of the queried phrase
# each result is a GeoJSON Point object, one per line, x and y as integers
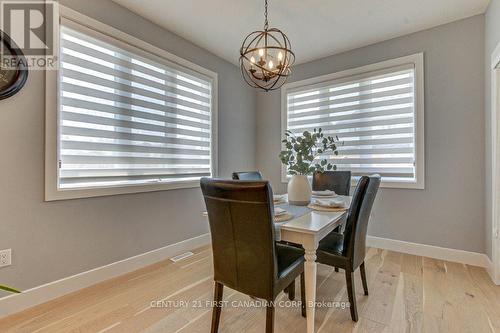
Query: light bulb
{"type": "Point", "coordinates": [252, 60]}
{"type": "Point", "coordinates": [270, 64]}
{"type": "Point", "coordinates": [280, 56]}
{"type": "Point", "coordinates": [261, 52]}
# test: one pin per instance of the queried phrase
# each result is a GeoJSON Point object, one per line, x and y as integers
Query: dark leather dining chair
{"type": "Point", "coordinates": [247, 175]}
{"type": "Point", "coordinates": [245, 254]}
{"type": "Point", "coordinates": [338, 181]}
{"type": "Point", "coordinates": [347, 250]}
{"type": "Point", "coordinates": [256, 175]}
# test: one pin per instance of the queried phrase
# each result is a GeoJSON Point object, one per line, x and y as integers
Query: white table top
{"type": "Point", "coordinates": [313, 222]}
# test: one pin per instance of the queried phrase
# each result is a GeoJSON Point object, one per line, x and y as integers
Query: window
{"type": "Point", "coordinates": [376, 110]}
{"type": "Point", "coordinates": [128, 120]}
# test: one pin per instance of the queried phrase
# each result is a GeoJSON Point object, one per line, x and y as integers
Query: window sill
{"type": "Point", "coordinates": [54, 194]}
{"type": "Point", "coordinates": [395, 185]}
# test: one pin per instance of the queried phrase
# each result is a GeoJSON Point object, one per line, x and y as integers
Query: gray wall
{"type": "Point", "coordinates": [58, 239]}
{"type": "Point", "coordinates": [492, 38]}
{"type": "Point", "coordinates": [450, 211]}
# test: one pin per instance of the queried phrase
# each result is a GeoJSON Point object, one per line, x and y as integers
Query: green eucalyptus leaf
{"type": "Point", "coordinates": [300, 151]}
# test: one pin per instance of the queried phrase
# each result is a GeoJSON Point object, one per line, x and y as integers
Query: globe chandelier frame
{"type": "Point", "coordinates": [266, 57]}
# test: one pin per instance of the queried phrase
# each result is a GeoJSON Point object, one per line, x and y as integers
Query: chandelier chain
{"type": "Point", "coordinates": [266, 23]}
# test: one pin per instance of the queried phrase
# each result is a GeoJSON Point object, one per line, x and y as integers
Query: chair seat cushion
{"type": "Point", "coordinates": [330, 250]}
{"type": "Point", "coordinates": [289, 257]}
{"type": "Point", "coordinates": [290, 265]}
{"type": "Point", "coordinates": [333, 243]}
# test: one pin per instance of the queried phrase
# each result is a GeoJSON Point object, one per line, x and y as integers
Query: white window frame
{"type": "Point", "coordinates": [418, 61]}
{"type": "Point", "coordinates": [494, 268]}
{"type": "Point", "coordinates": [52, 191]}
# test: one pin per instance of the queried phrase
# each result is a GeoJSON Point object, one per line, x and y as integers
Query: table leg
{"type": "Point", "coordinates": [310, 277]}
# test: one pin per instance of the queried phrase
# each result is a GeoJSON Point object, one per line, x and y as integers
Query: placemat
{"type": "Point", "coordinates": [326, 209]}
{"type": "Point", "coordinates": [283, 217]}
{"type": "Point", "coordinates": [295, 211]}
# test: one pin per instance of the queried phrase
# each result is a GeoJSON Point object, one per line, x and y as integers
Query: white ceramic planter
{"type": "Point", "coordinates": [299, 190]}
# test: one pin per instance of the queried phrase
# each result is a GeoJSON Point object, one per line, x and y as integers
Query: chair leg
{"type": "Point", "coordinates": [290, 290]}
{"type": "Point", "coordinates": [349, 277]}
{"type": "Point", "coordinates": [218, 290]}
{"type": "Point", "coordinates": [303, 294]}
{"type": "Point", "coordinates": [363, 277]}
{"type": "Point", "coordinates": [336, 269]}
{"type": "Point", "coordinates": [270, 318]}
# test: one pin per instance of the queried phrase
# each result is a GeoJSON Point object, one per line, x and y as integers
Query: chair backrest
{"type": "Point", "coordinates": [247, 175]}
{"type": "Point", "coordinates": [338, 181]}
{"type": "Point", "coordinates": [358, 217]}
{"type": "Point", "coordinates": [240, 214]}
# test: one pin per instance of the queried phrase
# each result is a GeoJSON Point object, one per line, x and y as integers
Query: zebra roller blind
{"type": "Point", "coordinates": [127, 119]}
{"type": "Point", "coordinates": [372, 113]}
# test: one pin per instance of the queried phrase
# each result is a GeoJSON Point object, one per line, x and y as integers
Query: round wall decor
{"type": "Point", "coordinates": [13, 69]}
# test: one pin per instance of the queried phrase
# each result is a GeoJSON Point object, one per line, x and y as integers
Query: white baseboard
{"type": "Point", "coordinates": [435, 252]}
{"type": "Point", "coordinates": [491, 271]}
{"type": "Point", "coordinates": [41, 294]}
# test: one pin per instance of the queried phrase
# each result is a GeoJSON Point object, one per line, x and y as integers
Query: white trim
{"type": "Point", "coordinates": [41, 294]}
{"type": "Point", "coordinates": [52, 192]}
{"type": "Point", "coordinates": [495, 158]}
{"type": "Point", "coordinates": [429, 251]}
{"type": "Point", "coordinates": [418, 61]}
{"type": "Point", "coordinates": [491, 271]}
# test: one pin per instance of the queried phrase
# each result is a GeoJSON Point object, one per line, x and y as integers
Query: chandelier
{"type": "Point", "coordinates": [266, 57]}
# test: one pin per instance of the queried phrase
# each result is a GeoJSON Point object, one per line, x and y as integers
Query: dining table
{"type": "Point", "coordinates": [308, 227]}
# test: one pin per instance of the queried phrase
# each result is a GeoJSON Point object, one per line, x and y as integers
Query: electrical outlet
{"type": "Point", "coordinates": [5, 257]}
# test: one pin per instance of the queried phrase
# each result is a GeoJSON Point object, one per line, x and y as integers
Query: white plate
{"type": "Point", "coordinates": [324, 196]}
{"type": "Point", "coordinates": [326, 193]}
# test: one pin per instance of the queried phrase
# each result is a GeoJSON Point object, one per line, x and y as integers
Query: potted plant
{"type": "Point", "coordinates": [300, 157]}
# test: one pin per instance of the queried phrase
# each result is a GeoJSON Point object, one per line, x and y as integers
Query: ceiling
{"type": "Point", "coordinates": [316, 28]}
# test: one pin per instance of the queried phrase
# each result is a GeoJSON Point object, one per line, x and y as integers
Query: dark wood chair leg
{"type": "Point", "coordinates": [303, 294]}
{"type": "Point", "coordinates": [218, 291]}
{"type": "Point", "coordinates": [336, 269]}
{"type": "Point", "coordinates": [349, 277]}
{"type": "Point", "coordinates": [363, 277]}
{"type": "Point", "coordinates": [270, 318]}
{"type": "Point", "coordinates": [290, 290]}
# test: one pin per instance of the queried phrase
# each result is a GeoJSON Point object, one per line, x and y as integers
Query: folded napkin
{"type": "Point", "coordinates": [325, 193]}
{"type": "Point", "coordinates": [279, 211]}
{"type": "Point", "coordinates": [332, 203]}
{"type": "Point", "coordinates": [279, 198]}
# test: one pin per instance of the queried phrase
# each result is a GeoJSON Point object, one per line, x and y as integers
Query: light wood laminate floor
{"type": "Point", "coordinates": [407, 294]}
